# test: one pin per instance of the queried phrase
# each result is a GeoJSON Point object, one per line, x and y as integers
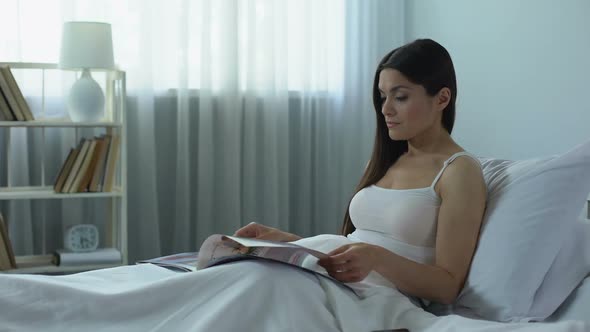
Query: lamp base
{"type": "Point", "coordinates": [86, 100]}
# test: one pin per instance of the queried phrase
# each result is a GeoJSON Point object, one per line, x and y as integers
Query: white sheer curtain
{"type": "Point", "coordinates": [239, 111]}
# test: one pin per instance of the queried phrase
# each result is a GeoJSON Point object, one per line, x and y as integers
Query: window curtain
{"type": "Point", "coordinates": [238, 111]}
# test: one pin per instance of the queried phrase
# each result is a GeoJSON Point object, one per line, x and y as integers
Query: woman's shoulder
{"type": "Point", "coordinates": [463, 158]}
{"type": "Point", "coordinates": [462, 169]}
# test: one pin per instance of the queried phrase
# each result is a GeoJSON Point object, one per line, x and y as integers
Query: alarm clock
{"type": "Point", "coordinates": [81, 237]}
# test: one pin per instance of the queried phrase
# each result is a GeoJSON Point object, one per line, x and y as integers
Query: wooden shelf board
{"type": "Point", "coordinates": [57, 124]}
{"type": "Point", "coordinates": [9, 193]}
{"type": "Point", "coordinates": [32, 264]}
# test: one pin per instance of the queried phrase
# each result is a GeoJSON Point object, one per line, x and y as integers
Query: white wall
{"type": "Point", "coordinates": [523, 71]}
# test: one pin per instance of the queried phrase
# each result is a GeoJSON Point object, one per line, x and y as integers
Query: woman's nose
{"type": "Point", "coordinates": [387, 107]}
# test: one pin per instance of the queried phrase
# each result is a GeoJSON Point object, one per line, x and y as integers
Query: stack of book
{"type": "Point", "coordinates": [13, 106]}
{"type": "Point", "coordinates": [89, 167]}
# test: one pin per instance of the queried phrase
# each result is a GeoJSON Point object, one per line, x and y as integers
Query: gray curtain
{"type": "Point", "coordinates": [252, 140]}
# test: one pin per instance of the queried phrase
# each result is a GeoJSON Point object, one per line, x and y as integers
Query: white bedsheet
{"type": "Point", "coordinates": [245, 296]}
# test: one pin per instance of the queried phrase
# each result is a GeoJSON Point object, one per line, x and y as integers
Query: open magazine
{"type": "Point", "coordinates": [219, 249]}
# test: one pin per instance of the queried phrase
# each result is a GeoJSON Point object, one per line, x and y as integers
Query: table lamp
{"type": "Point", "coordinates": [86, 46]}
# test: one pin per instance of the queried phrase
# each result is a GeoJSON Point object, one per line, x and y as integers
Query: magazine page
{"type": "Point", "coordinates": [185, 262]}
{"type": "Point", "coordinates": [219, 249]}
{"type": "Point", "coordinates": [249, 242]}
{"type": "Point", "coordinates": [219, 246]}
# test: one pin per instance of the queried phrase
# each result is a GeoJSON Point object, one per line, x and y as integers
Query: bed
{"type": "Point", "coordinates": [146, 297]}
{"type": "Point", "coordinates": [532, 263]}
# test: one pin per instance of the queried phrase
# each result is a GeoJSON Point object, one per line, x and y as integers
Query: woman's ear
{"type": "Point", "coordinates": [442, 99]}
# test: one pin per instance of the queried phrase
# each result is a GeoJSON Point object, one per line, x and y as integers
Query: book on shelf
{"type": "Point", "coordinates": [5, 111]}
{"type": "Point", "coordinates": [184, 262]}
{"type": "Point", "coordinates": [81, 174]}
{"type": "Point", "coordinates": [85, 183]}
{"type": "Point", "coordinates": [97, 176]}
{"type": "Point", "coordinates": [219, 249]}
{"type": "Point", "coordinates": [65, 170]}
{"type": "Point", "coordinates": [35, 261]}
{"type": "Point", "coordinates": [65, 258]}
{"type": "Point", "coordinates": [90, 167]}
{"type": "Point", "coordinates": [10, 98]}
{"type": "Point", "coordinates": [7, 259]}
{"type": "Point", "coordinates": [17, 93]}
{"type": "Point", "coordinates": [99, 256]}
{"type": "Point", "coordinates": [83, 148]}
{"type": "Point", "coordinates": [111, 162]}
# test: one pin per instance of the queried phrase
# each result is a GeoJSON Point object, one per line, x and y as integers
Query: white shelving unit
{"type": "Point", "coordinates": [114, 124]}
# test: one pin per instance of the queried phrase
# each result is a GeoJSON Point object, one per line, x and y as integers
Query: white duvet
{"type": "Point", "coordinates": [244, 296]}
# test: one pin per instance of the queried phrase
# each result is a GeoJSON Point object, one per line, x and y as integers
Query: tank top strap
{"type": "Point", "coordinates": [448, 162]}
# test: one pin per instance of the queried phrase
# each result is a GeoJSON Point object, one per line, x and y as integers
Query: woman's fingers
{"type": "Point", "coordinates": [336, 258]}
{"type": "Point", "coordinates": [336, 266]}
{"type": "Point", "coordinates": [352, 275]}
{"type": "Point", "coordinates": [250, 230]}
{"type": "Point", "coordinates": [271, 236]}
{"type": "Point", "coordinates": [338, 250]}
{"type": "Point", "coordinates": [261, 232]}
{"type": "Point", "coordinates": [243, 232]}
{"type": "Point", "coordinates": [349, 262]}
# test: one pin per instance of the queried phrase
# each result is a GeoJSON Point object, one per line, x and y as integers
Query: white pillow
{"type": "Point", "coordinates": [575, 306]}
{"type": "Point", "coordinates": [532, 205]}
{"type": "Point", "coordinates": [570, 267]}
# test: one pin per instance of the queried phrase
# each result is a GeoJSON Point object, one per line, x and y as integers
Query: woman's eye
{"type": "Point", "coordinates": [401, 98]}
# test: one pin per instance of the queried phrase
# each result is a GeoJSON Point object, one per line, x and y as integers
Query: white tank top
{"type": "Point", "coordinates": [401, 220]}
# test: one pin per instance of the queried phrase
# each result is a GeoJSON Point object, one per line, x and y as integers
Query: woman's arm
{"type": "Point", "coordinates": [463, 194]}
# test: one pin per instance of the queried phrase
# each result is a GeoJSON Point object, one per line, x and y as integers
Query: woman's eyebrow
{"type": "Point", "coordinates": [397, 87]}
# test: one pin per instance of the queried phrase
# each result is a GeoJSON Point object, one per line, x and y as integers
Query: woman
{"type": "Point", "coordinates": [418, 208]}
{"type": "Point", "coordinates": [417, 214]}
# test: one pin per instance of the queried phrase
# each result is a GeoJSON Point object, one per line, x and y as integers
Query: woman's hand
{"type": "Point", "coordinates": [261, 232]}
{"type": "Point", "coordinates": [352, 262]}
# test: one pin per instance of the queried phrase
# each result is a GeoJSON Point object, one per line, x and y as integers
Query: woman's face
{"type": "Point", "coordinates": [407, 108]}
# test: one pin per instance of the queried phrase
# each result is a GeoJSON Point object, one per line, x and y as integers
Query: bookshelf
{"type": "Point", "coordinates": [114, 231]}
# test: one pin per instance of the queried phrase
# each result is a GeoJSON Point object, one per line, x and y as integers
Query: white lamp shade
{"type": "Point", "coordinates": [86, 45]}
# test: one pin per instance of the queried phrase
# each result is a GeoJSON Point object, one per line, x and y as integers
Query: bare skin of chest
{"type": "Point", "coordinates": [411, 173]}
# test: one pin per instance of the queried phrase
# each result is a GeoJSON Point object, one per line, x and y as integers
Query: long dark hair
{"type": "Point", "coordinates": [424, 62]}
